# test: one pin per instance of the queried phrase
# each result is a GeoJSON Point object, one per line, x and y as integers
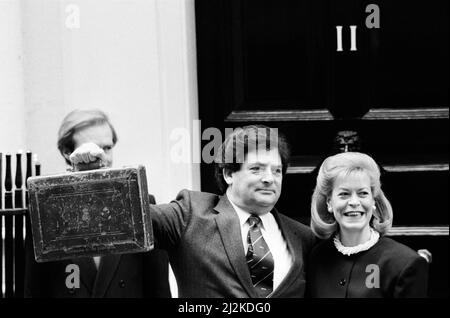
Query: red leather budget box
{"type": "Point", "coordinates": [90, 213]}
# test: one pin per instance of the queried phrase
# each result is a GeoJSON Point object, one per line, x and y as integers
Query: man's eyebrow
{"type": "Point", "coordinates": [101, 145]}
{"type": "Point", "coordinates": [259, 163]}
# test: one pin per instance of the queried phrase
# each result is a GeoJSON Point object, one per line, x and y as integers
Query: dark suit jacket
{"type": "Point", "coordinates": [202, 235]}
{"type": "Point", "coordinates": [127, 275]}
{"type": "Point", "coordinates": [402, 272]}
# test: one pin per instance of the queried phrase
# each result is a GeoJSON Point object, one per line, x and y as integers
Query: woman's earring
{"type": "Point", "coordinates": [374, 207]}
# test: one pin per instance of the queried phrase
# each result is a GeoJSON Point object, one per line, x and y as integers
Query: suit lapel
{"type": "Point", "coordinates": [230, 231]}
{"type": "Point", "coordinates": [295, 248]}
{"type": "Point", "coordinates": [106, 271]}
{"type": "Point", "coordinates": [88, 271]}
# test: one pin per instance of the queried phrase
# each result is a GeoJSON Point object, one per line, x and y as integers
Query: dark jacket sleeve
{"type": "Point", "coordinates": [169, 221]}
{"type": "Point", "coordinates": [413, 280]}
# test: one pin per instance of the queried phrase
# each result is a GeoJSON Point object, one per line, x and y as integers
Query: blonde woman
{"type": "Point", "coordinates": [350, 211]}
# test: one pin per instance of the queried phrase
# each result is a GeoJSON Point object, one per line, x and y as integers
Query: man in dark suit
{"type": "Point", "coordinates": [86, 139]}
{"type": "Point", "coordinates": [237, 244]}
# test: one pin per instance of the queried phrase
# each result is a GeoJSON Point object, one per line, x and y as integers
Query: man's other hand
{"type": "Point", "coordinates": [87, 156]}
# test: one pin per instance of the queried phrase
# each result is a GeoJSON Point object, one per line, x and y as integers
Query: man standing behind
{"type": "Point", "coordinates": [127, 275]}
{"type": "Point", "coordinates": [235, 244]}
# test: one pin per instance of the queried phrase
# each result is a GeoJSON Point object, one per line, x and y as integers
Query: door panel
{"type": "Point", "coordinates": [273, 44]}
{"type": "Point", "coordinates": [411, 55]}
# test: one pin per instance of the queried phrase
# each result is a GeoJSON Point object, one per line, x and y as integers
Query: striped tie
{"type": "Point", "coordinates": [259, 258]}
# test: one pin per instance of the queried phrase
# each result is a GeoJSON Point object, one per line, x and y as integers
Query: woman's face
{"type": "Point", "coordinates": [352, 202]}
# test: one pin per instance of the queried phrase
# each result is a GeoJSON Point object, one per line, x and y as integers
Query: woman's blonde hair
{"type": "Point", "coordinates": [323, 223]}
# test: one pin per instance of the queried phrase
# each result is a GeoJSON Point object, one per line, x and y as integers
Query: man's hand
{"type": "Point", "coordinates": [88, 156]}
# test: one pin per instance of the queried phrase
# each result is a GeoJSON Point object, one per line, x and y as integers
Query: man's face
{"type": "Point", "coordinates": [256, 187]}
{"type": "Point", "coordinates": [101, 135]}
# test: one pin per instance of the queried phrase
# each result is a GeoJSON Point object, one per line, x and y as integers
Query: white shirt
{"type": "Point", "coordinates": [274, 239]}
{"type": "Point", "coordinates": [97, 261]}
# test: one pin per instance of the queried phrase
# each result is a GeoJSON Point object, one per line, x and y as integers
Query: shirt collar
{"type": "Point", "coordinates": [244, 215]}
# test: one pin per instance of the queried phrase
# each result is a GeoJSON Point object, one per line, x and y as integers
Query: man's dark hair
{"type": "Point", "coordinates": [233, 151]}
{"type": "Point", "coordinates": [76, 120]}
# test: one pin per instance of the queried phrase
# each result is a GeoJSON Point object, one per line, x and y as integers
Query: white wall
{"type": "Point", "coordinates": [134, 59]}
{"type": "Point", "coordinates": [12, 125]}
